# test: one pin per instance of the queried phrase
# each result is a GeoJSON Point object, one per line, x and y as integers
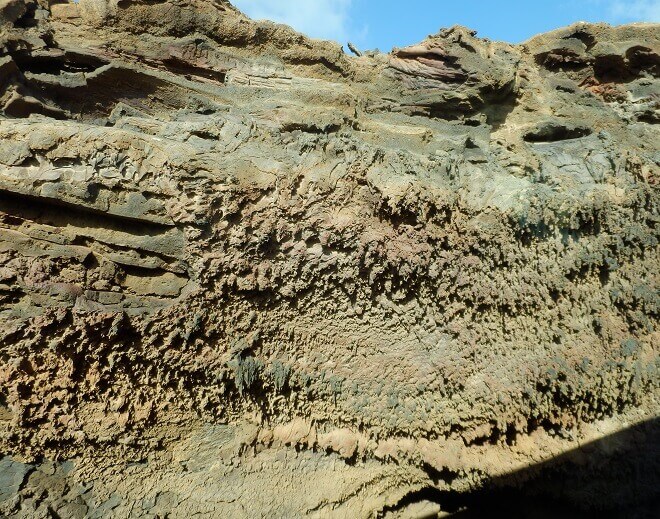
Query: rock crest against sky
{"type": "Point", "coordinates": [376, 24]}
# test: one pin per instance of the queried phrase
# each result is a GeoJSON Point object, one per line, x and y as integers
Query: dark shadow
{"type": "Point", "coordinates": [56, 64]}
{"type": "Point", "coordinates": [62, 214]}
{"type": "Point", "coordinates": [104, 89]}
{"type": "Point", "coordinates": [498, 113]}
{"type": "Point", "coordinates": [615, 477]}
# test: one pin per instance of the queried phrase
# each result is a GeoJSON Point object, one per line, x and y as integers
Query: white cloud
{"type": "Point", "coordinates": [634, 10]}
{"type": "Point", "coordinates": [326, 19]}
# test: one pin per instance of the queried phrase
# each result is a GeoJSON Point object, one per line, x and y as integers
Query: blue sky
{"type": "Point", "coordinates": [385, 24]}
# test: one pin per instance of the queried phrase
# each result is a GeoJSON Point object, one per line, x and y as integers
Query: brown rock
{"type": "Point", "coordinates": [244, 274]}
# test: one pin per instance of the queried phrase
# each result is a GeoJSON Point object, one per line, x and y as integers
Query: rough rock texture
{"type": "Point", "coordinates": [243, 274]}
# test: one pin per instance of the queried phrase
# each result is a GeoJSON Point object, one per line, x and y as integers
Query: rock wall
{"type": "Point", "coordinates": [244, 274]}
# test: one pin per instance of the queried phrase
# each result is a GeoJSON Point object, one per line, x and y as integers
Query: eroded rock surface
{"type": "Point", "coordinates": [244, 274]}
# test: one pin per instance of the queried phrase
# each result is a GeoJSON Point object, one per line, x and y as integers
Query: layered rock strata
{"type": "Point", "coordinates": [244, 274]}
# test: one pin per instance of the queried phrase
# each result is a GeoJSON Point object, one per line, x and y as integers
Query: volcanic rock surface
{"type": "Point", "coordinates": [244, 274]}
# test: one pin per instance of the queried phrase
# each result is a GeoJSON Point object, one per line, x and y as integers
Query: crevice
{"type": "Point", "coordinates": [612, 69]}
{"type": "Point", "coordinates": [643, 58]}
{"type": "Point", "coordinates": [555, 132]}
{"type": "Point", "coordinates": [49, 211]}
{"type": "Point", "coordinates": [311, 128]}
{"type": "Point", "coordinates": [56, 63]}
{"type": "Point", "coordinates": [562, 60]}
{"type": "Point", "coordinates": [585, 37]}
{"type": "Point", "coordinates": [183, 68]}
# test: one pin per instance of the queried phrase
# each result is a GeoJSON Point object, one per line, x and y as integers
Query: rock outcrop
{"type": "Point", "coordinates": [244, 274]}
